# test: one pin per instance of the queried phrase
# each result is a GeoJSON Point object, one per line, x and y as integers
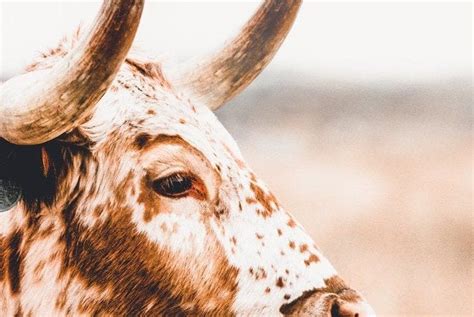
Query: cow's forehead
{"type": "Point", "coordinates": [142, 104]}
{"type": "Point", "coordinates": [142, 100]}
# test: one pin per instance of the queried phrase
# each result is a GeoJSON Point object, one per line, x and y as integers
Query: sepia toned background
{"type": "Point", "coordinates": [361, 125]}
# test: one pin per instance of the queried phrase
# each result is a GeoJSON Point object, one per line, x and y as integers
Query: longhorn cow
{"type": "Point", "coordinates": [122, 194]}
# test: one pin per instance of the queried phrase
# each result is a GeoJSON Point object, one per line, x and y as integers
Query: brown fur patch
{"type": "Point", "coordinates": [280, 283]}
{"type": "Point", "coordinates": [19, 312]}
{"type": "Point", "coordinates": [149, 199]}
{"type": "Point", "coordinates": [264, 199]}
{"type": "Point", "coordinates": [250, 200]}
{"type": "Point", "coordinates": [260, 274]}
{"type": "Point", "coordinates": [291, 223]}
{"type": "Point", "coordinates": [38, 270]}
{"type": "Point", "coordinates": [2, 258]}
{"type": "Point", "coordinates": [15, 261]}
{"type": "Point", "coordinates": [312, 259]}
{"type": "Point", "coordinates": [336, 285]}
{"type": "Point", "coordinates": [303, 247]}
{"type": "Point", "coordinates": [294, 306]}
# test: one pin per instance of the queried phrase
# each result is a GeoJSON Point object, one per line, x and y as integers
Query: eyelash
{"type": "Point", "coordinates": [175, 185]}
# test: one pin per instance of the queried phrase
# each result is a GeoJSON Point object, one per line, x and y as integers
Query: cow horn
{"type": "Point", "coordinates": [221, 76]}
{"type": "Point", "coordinates": [39, 106]}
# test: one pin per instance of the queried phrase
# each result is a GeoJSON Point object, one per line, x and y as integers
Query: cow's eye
{"type": "Point", "coordinates": [174, 186]}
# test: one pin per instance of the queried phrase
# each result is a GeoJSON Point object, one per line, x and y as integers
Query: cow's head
{"type": "Point", "coordinates": [136, 200]}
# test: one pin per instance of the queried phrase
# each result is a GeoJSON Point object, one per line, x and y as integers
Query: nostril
{"type": "Point", "coordinates": [336, 311]}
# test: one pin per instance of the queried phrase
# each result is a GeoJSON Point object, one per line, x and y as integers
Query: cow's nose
{"type": "Point", "coordinates": [341, 308]}
{"type": "Point", "coordinates": [347, 303]}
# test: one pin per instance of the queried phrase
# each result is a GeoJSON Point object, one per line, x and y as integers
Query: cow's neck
{"type": "Point", "coordinates": [34, 243]}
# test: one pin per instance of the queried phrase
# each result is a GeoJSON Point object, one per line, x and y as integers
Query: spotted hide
{"type": "Point", "coordinates": [147, 208]}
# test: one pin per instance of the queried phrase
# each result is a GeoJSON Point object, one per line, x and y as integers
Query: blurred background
{"type": "Point", "coordinates": [361, 125]}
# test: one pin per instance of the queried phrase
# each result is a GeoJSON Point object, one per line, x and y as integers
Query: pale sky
{"type": "Point", "coordinates": [351, 41]}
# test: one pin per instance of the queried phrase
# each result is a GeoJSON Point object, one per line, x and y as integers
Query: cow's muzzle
{"type": "Point", "coordinates": [345, 303]}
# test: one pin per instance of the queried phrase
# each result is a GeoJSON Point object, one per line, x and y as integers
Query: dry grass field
{"type": "Point", "coordinates": [380, 176]}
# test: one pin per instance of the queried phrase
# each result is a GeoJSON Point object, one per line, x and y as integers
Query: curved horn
{"type": "Point", "coordinates": [220, 77]}
{"type": "Point", "coordinates": [39, 106]}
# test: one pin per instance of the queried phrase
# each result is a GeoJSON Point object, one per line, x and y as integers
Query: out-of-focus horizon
{"type": "Point", "coordinates": [407, 42]}
{"type": "Point", "coordinates": [361, 125]}
{"type": "Point", "coordinates": [381, 177]}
